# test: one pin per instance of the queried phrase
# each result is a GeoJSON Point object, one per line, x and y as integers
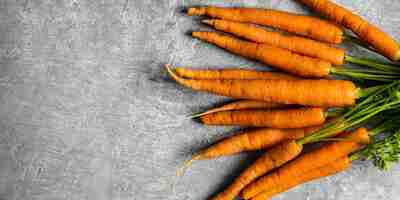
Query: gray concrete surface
{"type": "Point", "coordinates": [87, 112]}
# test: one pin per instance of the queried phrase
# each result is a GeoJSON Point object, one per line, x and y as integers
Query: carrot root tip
{"type": "Point", "coordinates": [208, 21]}
{"type": "Point", "coordinates": [197, 115]}
{"type": "Point", "coordinates": [187, 164]}
{"type": "Point", "coordinates": [170, 71]}
{"type": "Point", "coordinates": [196, 11]}
{"type": "Point", "coordinates": [194, 34]}
{"type": "Point", "coordinates": [191, 11]}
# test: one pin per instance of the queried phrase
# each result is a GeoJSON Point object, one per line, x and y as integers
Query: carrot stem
{"type": "Point", "coordinates": [372, 64]}
{"type": "Point", "coordinates": [366, 74]}
{"type": "Point", "coordinates": [367, 91]}
{"type": "Point", "coordinates": [384, 98]}
{"type": "Point", "coordinates": [345, 126]}
{"type": "Point", "coordinates": [334, 112]}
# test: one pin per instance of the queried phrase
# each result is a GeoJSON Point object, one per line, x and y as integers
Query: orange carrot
{"type": "Point", "coordinates": [287, 118]}
{"type": "Point", "coordinates": [319, 93]}
{"type": "Point", "coordinates": [296, 44]}
{"type": "Point", "coordinates": [248, 140]}
{"type": "Point", "coordinates": [271, 159]}
{"type": "Point", "coordinates": [329, 169]}
{"type": "Point", "coordinates": [243, 105]}
{"type": "Point", "coordinates": [251, 140]}
{"type": "Point", "coordinates": [230, 73]}
{"type": "Point", "coordinates": [299, 24]}
{"type": "Point", "coordinates": [280, 58]}
{"type": "Point", "coordinates": [309, 161]}
{"type": "Point", "coordinates": [371, 34]}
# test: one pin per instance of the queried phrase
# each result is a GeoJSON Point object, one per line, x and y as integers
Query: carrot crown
{"type": "Point", "coordinates": [381, 98]}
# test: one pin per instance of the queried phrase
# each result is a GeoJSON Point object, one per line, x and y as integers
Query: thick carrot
{"type": "Point", "coordinates": [286, 118]}
{"type": "Point", "coordinates": [271, 159]}
{"type": "Point", "coordinates": [251, 140]}
{"type": "Point", "coordinates": [230, 73]}
{"type": "Point", "coordinates": [243, 105]}
{"type": "Point", "coordinates": [329, 169]}
{"type": "Point", "coordinates": [309, 161]}
{"type": "Point", "coordinates": [299, 24]}
{"type": "Point", "coordinates": [280, 58]}
{"type": "Point", "coordinates": [296, 44]}
{"type": "Point", "coordinates": [371, 34]}
{"type": "Point", "coordinates": [319, 93]}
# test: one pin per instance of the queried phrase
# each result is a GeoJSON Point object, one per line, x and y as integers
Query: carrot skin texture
{"type": "Point", "coordinates": [280, 58]}
{"type": "Point", "coordinates": [296, 44]}
{"type": "Point", "coordinates": [230, 73]}
{"type": "Point", "coordinates": [309, 161]}
{"type": "Point", "coordinates": [335, 167]}
{"type": "Point", "coordinates": [271, 159]}
{"type": "Point", "coordinates": [251, 140]}
{"type": "Point", "coordinates": [286, 118]}
{"type": "Point", "coordinates": [371, 34]}
{"type": "Point", "coordinates": [318, 93]}
{"type": "Point", "coordinates": [243, 105]}
{"type": "Point", "coordinates": [299, 24]}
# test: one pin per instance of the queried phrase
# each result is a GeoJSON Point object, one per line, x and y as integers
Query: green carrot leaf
{"type": "Point", "coordinates": [385, 152]}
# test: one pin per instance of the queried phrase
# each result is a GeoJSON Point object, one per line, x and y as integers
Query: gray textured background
{"type": "Point", "coordinates": [87, 112]}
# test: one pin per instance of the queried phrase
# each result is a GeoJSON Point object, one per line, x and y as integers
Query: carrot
{"type": "Point", "coordinates": [383, 153]}
{"type": "Point", "coordinates": [371, 34]}
{"type": "Point", "coordinates": [248, 140]}
{"type": "Point", "coordinates": [280, 58]}
{"type": "Point", "coordinates": [309, 161]}
{"type": "Point", "coordinates": [271, 159]}
{"type": "Point", "coordinates": [319, 93]}
{"type": "Point", "coordinates": [296, 44]}
{"type": "Point", "coordinates": [251, 140]}
{"type": "Point", "coordinates": [299, 24]}
{"type": "Point", "coordinates": [242, 105]}
{"type": "Point", "coordinates": [230, 73]}
{"type": "Point", "coordinates": [380, 99]}
{"type": "Point", "coordinates": [297, 64]}
{"type": "Point", "coordinates": [329, 169]}
{"type": "Point", "coordinates": [287, 118]}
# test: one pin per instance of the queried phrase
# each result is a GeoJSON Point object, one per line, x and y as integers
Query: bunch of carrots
{"type": "Point", "coordinates": [301, 103]}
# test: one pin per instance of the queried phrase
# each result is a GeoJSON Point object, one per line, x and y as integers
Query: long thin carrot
{"type": "Point", "coordinates": [271, 159]}
{"type": "Point", "coordinates": [286, 118]}
{"type": "Point", "coordinates": [309, 161]}
{"type": "Point", "coordinates": [242, 105]}
{"type": "Point", "coordinates": [248, 140]}
{"type": "Point", "coordinates": [230, 73]}
{"type": "Point", "coordinates": [329, 169]}
{"type": "Point", "coordinates": [280, 58]}
{"type": "Point", "coordinates": [302, 25]}
{"type": "Point", "coordinates": [298, 64]}
{"type": "Point", "coordinates": [296, 44]}
{"type": "Point", "coordinates": [251, 140]}
{"type": "Point", "coordinates": [371, 34]}
{"type": "Point", "coordinates": [319, 93]}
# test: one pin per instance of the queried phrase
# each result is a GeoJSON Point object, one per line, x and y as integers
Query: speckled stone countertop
{"type": "Point", "coordinates": [87, 111]}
